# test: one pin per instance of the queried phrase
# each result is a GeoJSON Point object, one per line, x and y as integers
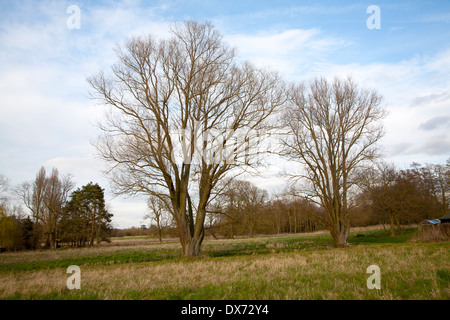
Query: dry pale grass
{"type": "Point", "coordinates": [131, 241]}
{"type": "Point", "coordinates": [145, 244]}
{"type": "Point", "coordinates": [408, 270]}
{"type": "Point", "coordinates": [116, 246]}
{"type": "Point", "coordinates": [401, 266]}
{"type": "Point", "coordinates": [324, 274]}
{"type": "Point", "coordinates": [111, 281]}
{"type": "Point", "coordinates": [432, 234]}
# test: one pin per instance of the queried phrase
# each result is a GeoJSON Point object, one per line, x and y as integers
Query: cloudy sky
{"type": "Point", "coordinates": [47, 119]}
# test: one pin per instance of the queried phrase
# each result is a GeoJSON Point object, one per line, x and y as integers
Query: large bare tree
{"type": "Point", "coordinates": [182, 115]}
{"type": "Point", "coordinates": [333, 127]}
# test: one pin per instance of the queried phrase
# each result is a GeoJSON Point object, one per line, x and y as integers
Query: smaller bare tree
{"type": "Point", "coordinates": [45, 198]}
{"type": "Point", "coordinates": [440, 175]}
{"type": "Point", "coordinates": [378, 185]}
{"type": "Point", "coordinates": [159, 210]}
{"type": "Point", "coordinates": [333, 128]}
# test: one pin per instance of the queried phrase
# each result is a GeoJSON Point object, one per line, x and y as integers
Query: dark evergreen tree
{"type": "Point", "coordinates": [85, 217]}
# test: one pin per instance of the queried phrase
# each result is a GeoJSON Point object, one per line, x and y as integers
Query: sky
{"type": "Point", "coordinates": [49, 48]}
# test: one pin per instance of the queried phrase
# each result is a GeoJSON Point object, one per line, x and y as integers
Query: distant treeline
{"type": "Point", "coordinates": [386, 195]}
{"type": "Point", "coordinates": [59, 217]}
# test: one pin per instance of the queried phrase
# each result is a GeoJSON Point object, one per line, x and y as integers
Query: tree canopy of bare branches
{"type": "Point", "coordinates": [333, 128]}
{"type": "Point", "coordinates": [46, 198]}
{"type": "Point", "coordinates": [182, 115]}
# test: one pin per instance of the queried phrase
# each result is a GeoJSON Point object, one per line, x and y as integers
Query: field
{"type": "Point", "coordinates": [283, 267]}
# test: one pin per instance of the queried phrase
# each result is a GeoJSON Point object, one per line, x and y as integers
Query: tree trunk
{"type": "Point", "coordinates": [93, 227]}
{"type": "Point", "coordinates": [191, 236]}
{"type": "Point", "coordinates": [195, 232]}
{"type": "Point", "coordinates": [158, 225]}
{"type": "Point", "coordinates": [339, 232]}
{"type": "Point", "coordinates": [391, 220]}
{"type": "Point", "coordinates": [231, 231]}
{"type": "Point", "coordinates": [289, 220]}
{"type": "Point", "coordinates": [399, 227]}
{"type": "Point", "coordinates": [160, 234]}
{"type": "Point", "coordinates": [192, 246]}
{"type": "Point", "coordinates": [444, 201]}
{"type": "Point", "coordinates": [295, 221]}
{"type": "Point", "coordinates": [52, 240]}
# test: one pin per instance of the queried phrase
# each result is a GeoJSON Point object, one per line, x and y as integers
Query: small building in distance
{"type": "Point", "coordinates": [445, 218]}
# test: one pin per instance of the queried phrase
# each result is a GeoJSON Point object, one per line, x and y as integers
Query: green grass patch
{"type": "Point", "coordinates": [380, 237]}
{"type": "Point", "coordinates": [215, 249]}
{"type": "Point", "coordinates": [98, 260]}
{"type": "Point", "coordinates": [278, 267]}
{"type": "Point", "coordinates": [338, 274]}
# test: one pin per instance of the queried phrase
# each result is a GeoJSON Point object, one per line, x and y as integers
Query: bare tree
{"type": "Point", "coordinates": [223, 212]}
{"type": "Point", "coordinates": [56, 195]}
{"type": "Point", "coordinates": [32, 195]}
{"type": "Point", "coordinates": [183, 115]}
{"type": "Point", "coordinates": [378, 185]}
{"type": "Point", "coordinates": [333, 129]}
{"type": "Point", "coordinates": [301, 213]}
{"type": "Point", "coordinates": [45, 198]}
{"type": "Point", "coordinates": [402, 196]}
{"type": "Point", "coordinates": [158, 209]}
{"type": "Point", "coordinates": [250, 201]}
{"type": "Point", "coordinates": [440, 175]}
{"type": "Point", "coordinates": [241, 205]}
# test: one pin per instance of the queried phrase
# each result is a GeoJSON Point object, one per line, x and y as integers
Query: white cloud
{"type": "Point", "coordinates": [435, 123]}
{"type": "Point", "coordinates": [435, 145]}
{"type": "Point", "coordinates": [83, 169]}
{"type": "Point", "coordinates": [128, 212]}
{"type": "Point", "coordinates": [290, 52]}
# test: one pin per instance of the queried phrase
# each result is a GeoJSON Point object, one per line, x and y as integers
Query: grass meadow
{"type": "Point", "coordinates": [282, 267]}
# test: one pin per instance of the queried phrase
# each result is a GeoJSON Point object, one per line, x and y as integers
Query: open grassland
{"type": "Point", "coordinates": [275, 267]}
